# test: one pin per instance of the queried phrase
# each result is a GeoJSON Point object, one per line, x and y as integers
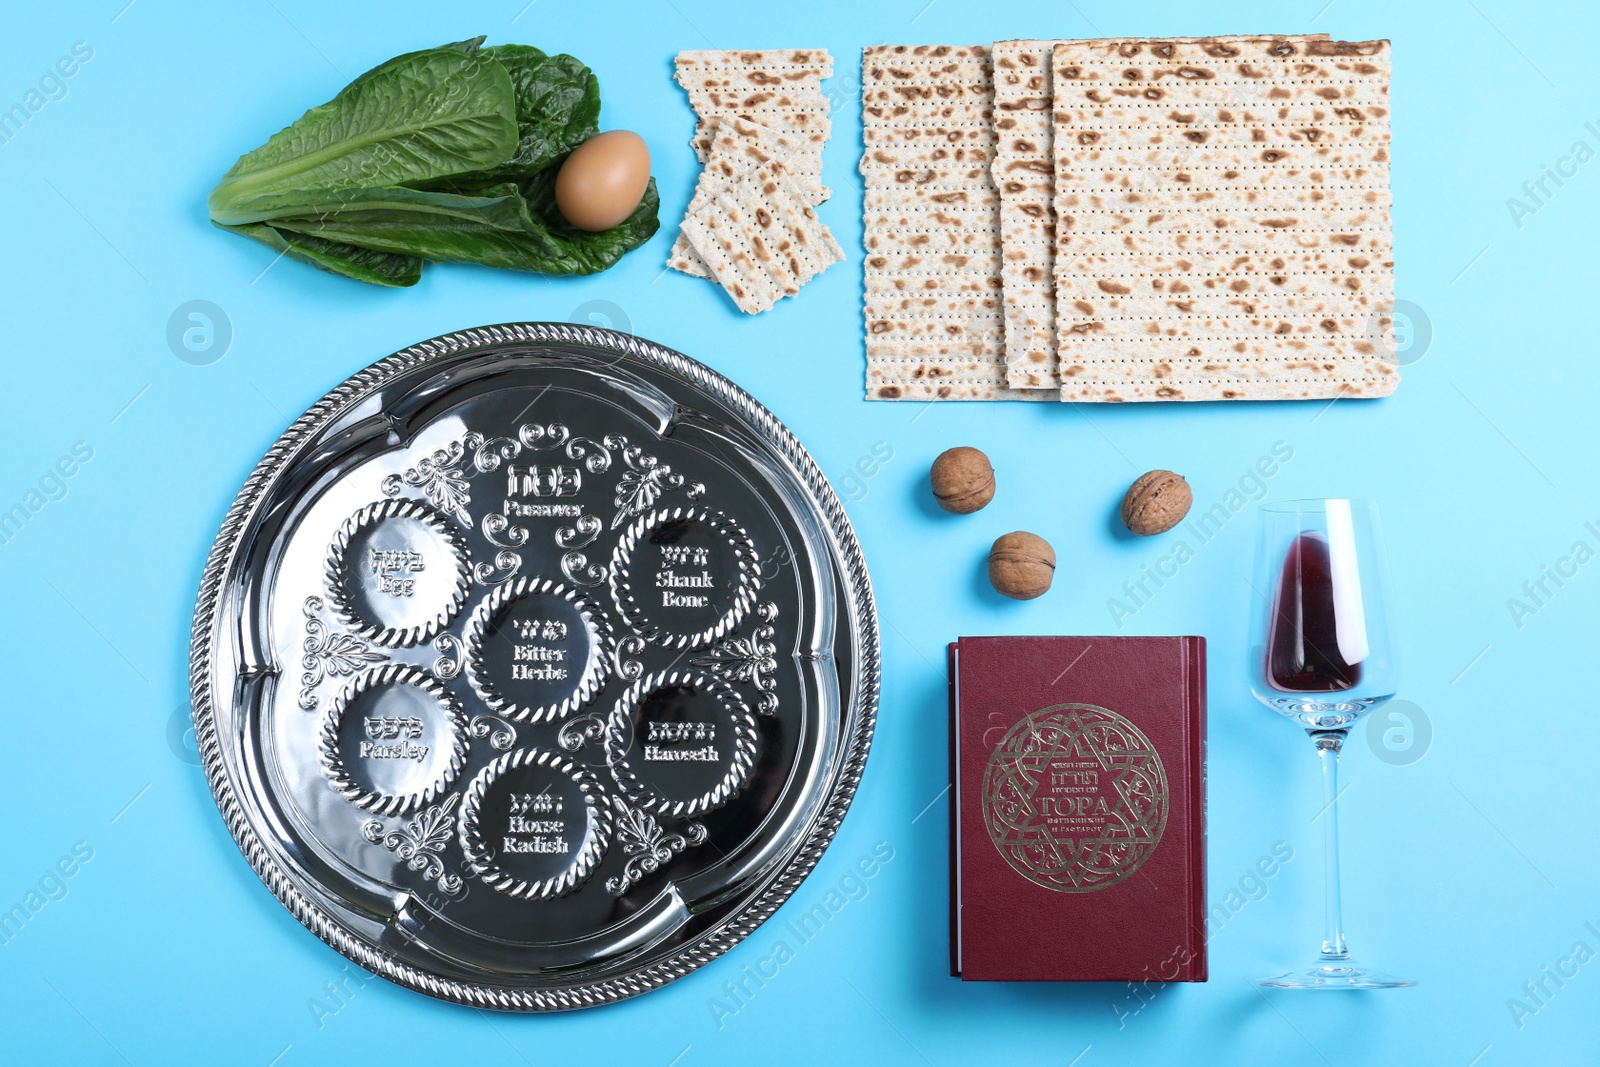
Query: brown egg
{"type": "Point", "coordinates": [603, 180]}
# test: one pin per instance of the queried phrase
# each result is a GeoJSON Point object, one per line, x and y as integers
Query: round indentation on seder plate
{"type": "Point", "coordinates": [534, 824]}
{"type": "Point", "coordinates": [681, 743]}
{"type": "Point", "coordinates": [537, 650]}
{"type": "Point", "coordinates": [684, 577]}
{"type": "Point", "coordinates": [394, 740]}
{"type": "Point", "coordinates": [397, 572]}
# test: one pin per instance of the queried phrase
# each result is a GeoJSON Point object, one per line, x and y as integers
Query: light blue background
{"type": "Point", "coordinates": [1469, 869]}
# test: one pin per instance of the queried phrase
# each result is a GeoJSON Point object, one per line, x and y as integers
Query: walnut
{"type": "Point", "coordinates": [1021, 565]}
{"type": "Point", "coordinates": [1156, 503]}
{"type": "Point", "coordinates": [963, 480]}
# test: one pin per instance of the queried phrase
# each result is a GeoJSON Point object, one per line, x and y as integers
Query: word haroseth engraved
{"type": "Point", "coordinates": [1075, 798]}
{"type": "Point", "coordinates": [675, 733]}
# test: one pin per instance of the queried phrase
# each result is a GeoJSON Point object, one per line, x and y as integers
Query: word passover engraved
{"type": "Point", "coordinates": [539, 484]}
{"type": "Point", "coordinates": [677, 587]}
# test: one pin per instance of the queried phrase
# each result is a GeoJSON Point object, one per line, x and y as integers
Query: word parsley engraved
{"type": "Point", "coordinates": [675, 733]}
{"type": "Point", "coordinates": [533, 826]}
{"type": "Point", "coordinates": [532, 659]}
{"type": "Point", "coordinates": [403, 728]}
{"type": "Point", "coordinates": [391, 565]}
{"type": "Point", "coordinates": [669, 580]}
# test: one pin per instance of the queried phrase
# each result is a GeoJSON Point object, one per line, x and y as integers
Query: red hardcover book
{"type": "Point", "coordinates": [1078, 827]}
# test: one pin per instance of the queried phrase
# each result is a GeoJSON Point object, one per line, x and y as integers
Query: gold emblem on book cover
{"type": "Point", "coordinates": [1075, 798]}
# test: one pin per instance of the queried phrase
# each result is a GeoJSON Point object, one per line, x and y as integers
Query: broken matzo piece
{"type": "Point", "coordinates": [778, 88]}
{"type": "Point", "coordinates": [738, 146]}
{"type": "Point", "coordinates": [760, 240]}
{"type": "Point", "coordinates": [1223, 221]}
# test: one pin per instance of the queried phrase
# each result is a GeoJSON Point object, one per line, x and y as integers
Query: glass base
{"type": "Point", "coordinates": [1336, 974]}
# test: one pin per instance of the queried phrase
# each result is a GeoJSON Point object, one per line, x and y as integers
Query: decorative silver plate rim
{"type": "Point", "coordinates": [596, 835]}
{"type": "Point", "coordinates": [333, 763]}
{"type": "Point", "coordinates": [339, 597]}
{"type": "Point", "coordinates": [594, 670]}
{"type": "Point", "coordinates": [622, 577]}
{"type": "Point", "coordinates": [856, 742]}
{"type": "Point", "coordinates": [637, 790]}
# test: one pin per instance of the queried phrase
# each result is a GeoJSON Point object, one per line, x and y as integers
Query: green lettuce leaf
{"type": "Point", "coordinates": [418, 117]}
{"type": "Point", "coordinates": [496, 204]}
{"type": "Point", "coordinates": [558, 107]}
{"type": "Point", "coordinates": [364, 265]}
{"type": "Point", "coordinates": [546, 244]}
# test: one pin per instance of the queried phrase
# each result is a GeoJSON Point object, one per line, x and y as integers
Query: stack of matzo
{"type": "Point", "coordinates": [762, 123]}
{"type": "Point", "coordinates": [1187, 219]}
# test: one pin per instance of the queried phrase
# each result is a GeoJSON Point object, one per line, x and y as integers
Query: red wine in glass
{"type": "Point", "coordinates": [1303, 653]}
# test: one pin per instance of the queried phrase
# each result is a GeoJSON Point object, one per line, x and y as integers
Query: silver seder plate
{"type": "Point", "coordinates": [534, 667]}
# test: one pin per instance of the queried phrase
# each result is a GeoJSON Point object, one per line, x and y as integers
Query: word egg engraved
{"type": "Point", "coordinates": [397, 572]}
{"type": "Point", "coordinates": [392, 567]}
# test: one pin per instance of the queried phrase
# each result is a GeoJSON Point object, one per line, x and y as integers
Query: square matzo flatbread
{"type": "Point", "coordinates": [931, 226]}
{"type": "Point", "coordinates": [1223, 225]}
{"type": "Point", "coordinates": [1024, 173]}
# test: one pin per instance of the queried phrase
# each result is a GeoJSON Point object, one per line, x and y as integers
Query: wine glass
{"type": "Point", "coordinates": [1322, 655]}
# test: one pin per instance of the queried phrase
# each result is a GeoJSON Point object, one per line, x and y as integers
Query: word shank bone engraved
{"type": "Point", "coordinates": [684, 577]}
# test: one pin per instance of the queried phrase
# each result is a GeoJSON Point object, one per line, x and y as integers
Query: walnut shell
{"type": "Point", "coordinates": [1021, 565]}
{"type": "Point", "coordinates": [1156, 503]}
{"type": "Point", "coordinates": [963, 480]}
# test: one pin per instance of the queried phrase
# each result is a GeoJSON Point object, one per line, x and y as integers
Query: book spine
{"type": "Point", "coordinates": [1195, 653]}
{"type": "Point", "coordinates": [955, 868]}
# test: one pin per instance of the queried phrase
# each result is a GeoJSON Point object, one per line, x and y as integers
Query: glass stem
{"type": "Point", "coordinates": [1329, 742]}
